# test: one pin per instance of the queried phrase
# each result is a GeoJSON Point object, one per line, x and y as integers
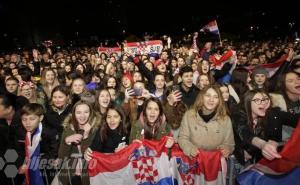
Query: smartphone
{"type": "Point", "coordinates": [175, 88]}
{"type": "Point", "coordinates": [137, 92]}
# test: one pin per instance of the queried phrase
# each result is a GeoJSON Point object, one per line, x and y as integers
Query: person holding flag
{"type": "Point", "coordinates": [40, 144]}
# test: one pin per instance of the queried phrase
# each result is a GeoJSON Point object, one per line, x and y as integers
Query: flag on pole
{"type": "Point", "coordinates": [211, 27]}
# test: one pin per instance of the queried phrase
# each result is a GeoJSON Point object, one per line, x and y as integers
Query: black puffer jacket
{"type": "Point", "coordinates": [270, 130]}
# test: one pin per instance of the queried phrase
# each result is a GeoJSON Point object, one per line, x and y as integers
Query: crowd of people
{"type": "Point", "coordinates": [79, 101]}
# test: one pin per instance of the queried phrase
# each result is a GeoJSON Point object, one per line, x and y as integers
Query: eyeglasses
{"type": "Point", "coordinates": [258, 101]}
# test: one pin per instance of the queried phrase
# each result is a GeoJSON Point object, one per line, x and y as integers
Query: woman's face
{"type": "Point", "coordinates": [149, 66]}
{"type": "Point", "coordinates": [159, 81]}
{"type": "Point", "coordinates": [78, 86]}
{"type": "Point", "coordinates": [205, 66]}
{"type": "Point", "coordinates": [225, 93]}
{"type": "Point", "coordinates": [112, 70]}
{"type": "Point", "coordinates": [174, 63]}
{"type": "Point", "coordinates": [180, 62]}
{"type": "Point", "coordinates": [82, 114]}
{"type": "Point", "coordinates": [194, 67]}
{"type": "Point", "coordinates": [62, 64]}
{"type": "Point", "coordinates": [68, 81]}
{"type": "Point", "coordinates": [49, 77]}
{"type": "Point", "coordinates": [203, 81]}
{"type": "Point", "coordinates": [260, 79]}
{"type": "Point", "coordinates": [111, 82]}
{"type": "Point", "coordinates": [53, 65]}
{"type": "Point", "coordinates": [67, 68]}
{"type": "Point", "coordinates": [96, 79]}
{"type": "Point", "coordinates": [112, 93]}
{"type": "Point", "coordinates": [162, 68]}
{"type": "Point", "coordinates": [104, 99]}
{"type": "Point", "coordinates": [211, 100]}
{"type": "Point", "coordinates": [73, 58]}
{"type": "Point", "coordinates": [137, 77]}
{"type": "Point", "coordinates": [152, 111]}
{"type": "Point", "coordinates": [113, 119]}
{"type": "Point", "coordinates": [79, 68]}
{"type": "Point", "coordinates": [101, 67]}
{"type": "Point", "coordinates": [259, 104]}
{"type": "Point", "coordinates": [292, 83]}
{"type": "Point", "coordinates": [59, 99]}
{"type": "Point", "coordinates": [26, 91]}
{"type": "Point", "coordinates": [130, 66]}
{"type": "Point", "coordinates": [126, 83]}
{"type": "Point", "coordinates": [124, 65]}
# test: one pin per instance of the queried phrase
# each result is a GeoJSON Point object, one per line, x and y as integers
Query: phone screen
{"type": "Point", "coordinates": [137, 92]}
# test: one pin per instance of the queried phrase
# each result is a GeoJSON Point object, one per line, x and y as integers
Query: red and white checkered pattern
{"type": "Point", "coordinates": [144, 170]}
{"type": "Point", "coordinates": [188, 179]}
{"type": "Point", "coordinates": [142, 47]}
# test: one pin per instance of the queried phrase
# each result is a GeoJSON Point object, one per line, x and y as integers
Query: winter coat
{"type": "Point", "coordinates": [70, 153]}
{"type": "Point", "coordinates": [48, 143]}
{"type": "Point", "coordinates": [195, 133]}
{"type": "Point", "coordinates": [189, 97]}
{"type": "Point", "coordinates": [271, 130]}
{"type": "Point", "coordinates": [113, 140]}
{"type": "Point", "coordinates": [137, 130]}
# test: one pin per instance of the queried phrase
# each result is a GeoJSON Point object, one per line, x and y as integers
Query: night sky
{"type": "Point", "coordinates": [89, 22]}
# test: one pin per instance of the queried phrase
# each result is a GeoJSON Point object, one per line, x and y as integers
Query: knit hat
{"type": "Point", "coordinates": [260, 70]}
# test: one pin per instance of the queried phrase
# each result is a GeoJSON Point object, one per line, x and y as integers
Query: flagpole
{"type": "Point", "coordinates": [219, 33]}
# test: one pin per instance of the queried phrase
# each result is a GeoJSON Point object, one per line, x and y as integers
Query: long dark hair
{"type": "Point", "coordinates": [122, 128]}
{"type": "Point", "coordinates": [247, 106]}
{"type": "Point", "coordinates": [97, 107]}
{"type": "Point", "coordinates": [281, 86]}
{"type": "Point", "coordinates": [150, 131]}
{"type": "Point", "coordinates": [74, 121]}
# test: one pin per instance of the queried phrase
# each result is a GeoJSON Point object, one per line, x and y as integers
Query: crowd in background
{"type": "Point", "coordinates": [86, 101]}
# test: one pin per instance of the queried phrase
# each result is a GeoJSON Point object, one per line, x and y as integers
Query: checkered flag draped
{"type": "Point", "coordinates": [144, 170]}
{"type": "Point", "coordinates": [184, 168]}
{"type": "Point", "coordinates": [188, 179]}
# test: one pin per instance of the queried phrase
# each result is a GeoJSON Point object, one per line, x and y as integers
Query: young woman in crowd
{"type": "Point", "coordinates": [113, 134]}
{"type": "Point", "coordinates": [79, 92]}
{"type": "Point", "coordinates": [259, 78]}
{"type": "Point", "coordinates": [203, 81]}
{"type": "Point", "coordinates": [49, 81]}
{"type": "Point", "coordinates": [159, 90]}
{"type": "Point", "coordinates": [207, 119]}
{"type": "Point", "coordinates": [151, 124]}
{"type": "Point", "coordinates": [258, 127]}
{"type": "Point", "coordinates": [103, 100]}
{"type": "Point", "coordinates": [80, 129]}
{"type": "Point", "coordinates": [59, 108]}
{"type": "Point", "coordinates": [28, 90]}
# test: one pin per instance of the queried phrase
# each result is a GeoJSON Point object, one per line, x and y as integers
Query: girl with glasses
{"type": "Point", "coordinates": [258, 127]}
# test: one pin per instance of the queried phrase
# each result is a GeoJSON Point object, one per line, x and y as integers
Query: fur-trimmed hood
{"type": "Point", "coordinates": [278, 101]}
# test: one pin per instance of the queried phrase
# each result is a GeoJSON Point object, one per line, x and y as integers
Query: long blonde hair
{"type": "Point", "coordinates": [46, 87]}
{"type": "Point", "coordinates": [199, 103]}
